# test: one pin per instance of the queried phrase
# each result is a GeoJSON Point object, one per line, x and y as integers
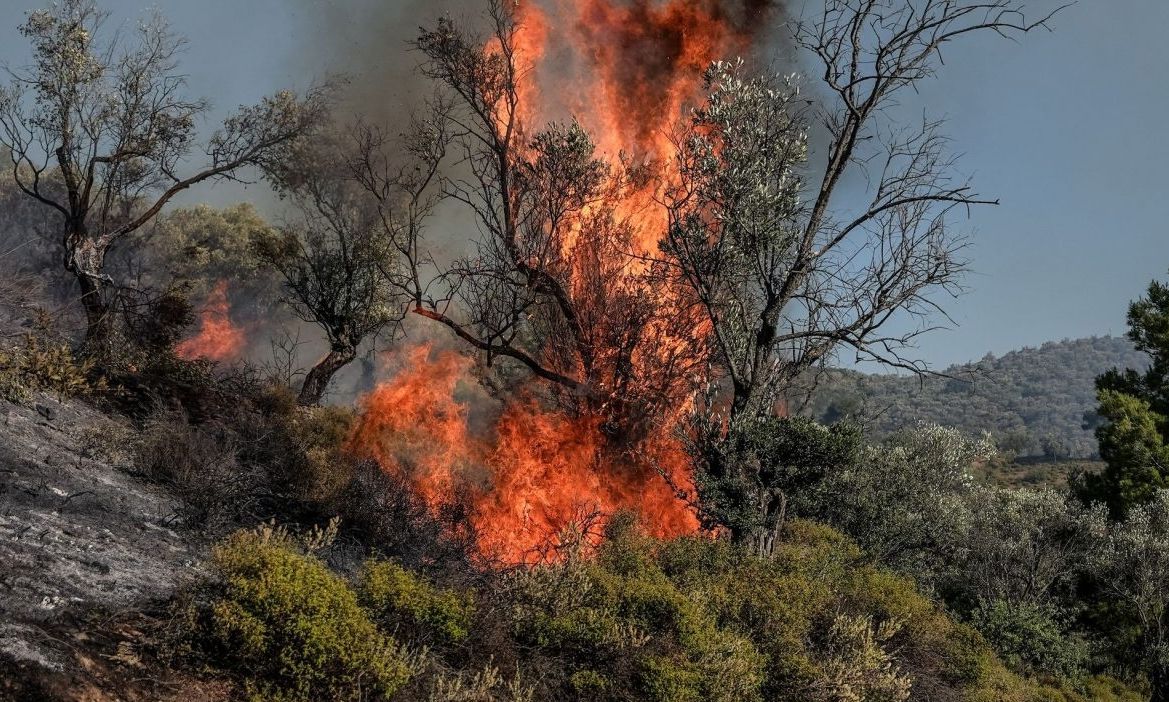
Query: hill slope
{"type": "Point", "coordinates": [1032, 400]}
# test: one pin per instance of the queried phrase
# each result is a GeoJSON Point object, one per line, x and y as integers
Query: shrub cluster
{"type": "Point", "coordinates": [294, 629]}
{"type": "Point", "coordinates": [635, 619]}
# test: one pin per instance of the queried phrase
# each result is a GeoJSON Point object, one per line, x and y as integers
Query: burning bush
{"type": "Point", "coordinates": [527, 473]}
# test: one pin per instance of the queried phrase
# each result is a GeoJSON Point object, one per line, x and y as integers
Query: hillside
{"type": "Point", "coordinates": [1032, 400]}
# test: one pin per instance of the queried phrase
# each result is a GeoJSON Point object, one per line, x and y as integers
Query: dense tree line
{"type": "Point", "coordinates": [1035, 402]}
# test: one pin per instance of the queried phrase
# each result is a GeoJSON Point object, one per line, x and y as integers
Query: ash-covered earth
{"type": "Point", "coordinates": [80, 537]}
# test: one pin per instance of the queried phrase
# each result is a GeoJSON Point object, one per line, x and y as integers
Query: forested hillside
{"type": "Point", "coordinates": [1032, 400]}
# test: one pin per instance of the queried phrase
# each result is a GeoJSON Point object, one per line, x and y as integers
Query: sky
{"type": "Point", "coordinates": [1066, 128]}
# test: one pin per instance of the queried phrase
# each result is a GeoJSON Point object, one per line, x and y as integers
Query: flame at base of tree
{"type": "Point", "coordinates": [218, 339]}
{"type": "Point", "coordinates": [528, 474]}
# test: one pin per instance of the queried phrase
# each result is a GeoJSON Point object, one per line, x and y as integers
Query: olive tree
{"type": "Point", "coordinates": [102, 133]}
{"type": "Point", "coordinates": [331, 252]}
{"type": "Point", "coordinates": [1131, 565]}
{"type": "Point", "coordinates": [785, 269]}
{"type": "Point", "coordinates": [903, 498]}
{"type": "Point", "coordinates": [1022, 546]}
{"type": "Point", "coordinates": [1017, 572]}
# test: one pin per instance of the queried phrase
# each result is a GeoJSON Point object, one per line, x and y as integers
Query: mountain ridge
{"type": "Point", "coordinates": [1032, 400]}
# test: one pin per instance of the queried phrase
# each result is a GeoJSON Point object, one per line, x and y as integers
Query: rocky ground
{"type": "Point", "coordinates": [84, 544]}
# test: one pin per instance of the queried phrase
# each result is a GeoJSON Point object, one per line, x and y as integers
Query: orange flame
{"type": "Point", "coordinates": [524, 477]}
{"type": "Point", "coordinates": [627, 70]}
{"type": "Point", "coordinates": [218, 339]}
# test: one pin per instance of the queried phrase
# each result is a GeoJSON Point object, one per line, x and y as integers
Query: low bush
{"type": "Point", "coordinates": [1031, 638]}
{"type": "Point", "coordinates": [398, 598]}
{"type": "Point", "coordinates": [199, 464]}
{"type": "Point", "coordinates": [294, 631]}
{"type": "Point", "coordinates": [41, 362]}
{"type": "Point", "coordinates": [636, 618]}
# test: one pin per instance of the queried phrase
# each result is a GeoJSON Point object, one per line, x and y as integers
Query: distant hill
{"type": "Point", "coordinates": [1033, 400]}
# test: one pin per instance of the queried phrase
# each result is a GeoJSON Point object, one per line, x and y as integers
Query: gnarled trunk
{"type": "Point", "coordinates": [317, 380]}
{"type": "Point", "coordinates": [97, 310]}
{"type": "Point", "coordinates": [1159, 680]}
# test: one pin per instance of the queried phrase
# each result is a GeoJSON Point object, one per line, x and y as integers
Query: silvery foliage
{"type": "Point", "coordinates": [904, 500]}
{"type": "Point", "coordinates": [735, 228]}
{"type": "Point", "coordinates": [1021, 546]}
{"type": "Point", "coordinates": [1131, 564]}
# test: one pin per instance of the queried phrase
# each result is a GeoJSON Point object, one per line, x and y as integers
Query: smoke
{"type": "Point", "coordinates": [650, 43]}
{"type": "Point", "coordinates": [369, 43]}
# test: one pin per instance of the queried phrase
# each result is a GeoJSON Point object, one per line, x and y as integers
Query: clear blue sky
{"type": "Point", "coordinates": [1067, 128]}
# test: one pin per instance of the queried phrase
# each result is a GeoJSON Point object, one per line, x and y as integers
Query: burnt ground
{"type": "Point", "coordinates": [85, 548]}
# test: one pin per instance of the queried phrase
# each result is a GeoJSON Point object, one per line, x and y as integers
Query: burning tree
{"type": "Point", "coordinates": [730, 265]}
{"type": "Point", "coordinates": [555, 282]}
{"type": "Point", "coordinates": [100, 134]}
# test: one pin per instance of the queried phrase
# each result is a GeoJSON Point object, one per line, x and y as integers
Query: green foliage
{"type": "Point", "coordinates": [901, 499]}
{"type": "Point", "coordinates": [1025, 547]}
{"type": "Point", "coordinates": [397, 597]}
{"type": "Point", "coordinates": [858, 666]}
{"type": "Point", "coordinates": [619, 624]}
{"type": "Point", "coordinates": [588, 682]}
{"type": "Point", "coordinates": [292, 629]}
{"type": "Point", "coordinates": [1132, 444]}
{"type": "Point", "coordinates": [696, 619]}
{"type": "Point", "coordinates": [1134, 409]}
{"type": "Point", "coordinates": [747, 481]}
{"type": "Point", "coordinates": [1021, 398]}
{"type": "Point", "coordinates": [1031, 638]}
{"type": "Point", "coordinates": [1130, 565]}
{"type": "Point", "coordinates": [198, 246]}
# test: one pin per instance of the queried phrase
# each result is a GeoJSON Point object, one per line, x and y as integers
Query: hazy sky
{"type": "Point", "coordinates": [1067, 129]}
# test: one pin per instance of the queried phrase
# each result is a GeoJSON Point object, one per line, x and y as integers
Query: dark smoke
{"type": "Point", "coordinates": [647, 45]}
{"type": "Point", "coordinates": [369, 42]}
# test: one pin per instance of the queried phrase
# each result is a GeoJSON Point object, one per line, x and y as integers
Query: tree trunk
{"type": "Point", "coordinates": [1159, 681]}
{"type": "Point", "coordinates": [317, 380]}
{"type": "Point", "coordinates": [97, 310]}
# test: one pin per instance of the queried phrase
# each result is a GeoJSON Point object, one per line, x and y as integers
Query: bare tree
{"type": "Point", "coordinates": [100, 133]}
{"type": "Point", "coordinates": [331, 254]}
{"type": "Point", "coordinates": [554, 283]}
{"type": "Point", "coordinates": [784, 274]}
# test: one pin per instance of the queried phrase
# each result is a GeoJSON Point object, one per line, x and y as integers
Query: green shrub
{"type": "Point", "coordinates": [588, 682]}
{"type": "Point", "coordinates": [292, 629]}
{"type": "Point", "coordinates": [397, 597]}
{"type": "Point", "coordinates": [1029, 638]}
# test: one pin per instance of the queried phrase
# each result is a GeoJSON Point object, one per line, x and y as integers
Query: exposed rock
{"type": "Point", "coordinates": [78, 532]}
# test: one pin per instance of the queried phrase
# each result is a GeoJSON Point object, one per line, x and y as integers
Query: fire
{"type": "Point", "coordinates": [218, 339]}
{"type": "Point", "coordinates": [627, 71]}
{"type": "Point", "coordinates": [526, 474]}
